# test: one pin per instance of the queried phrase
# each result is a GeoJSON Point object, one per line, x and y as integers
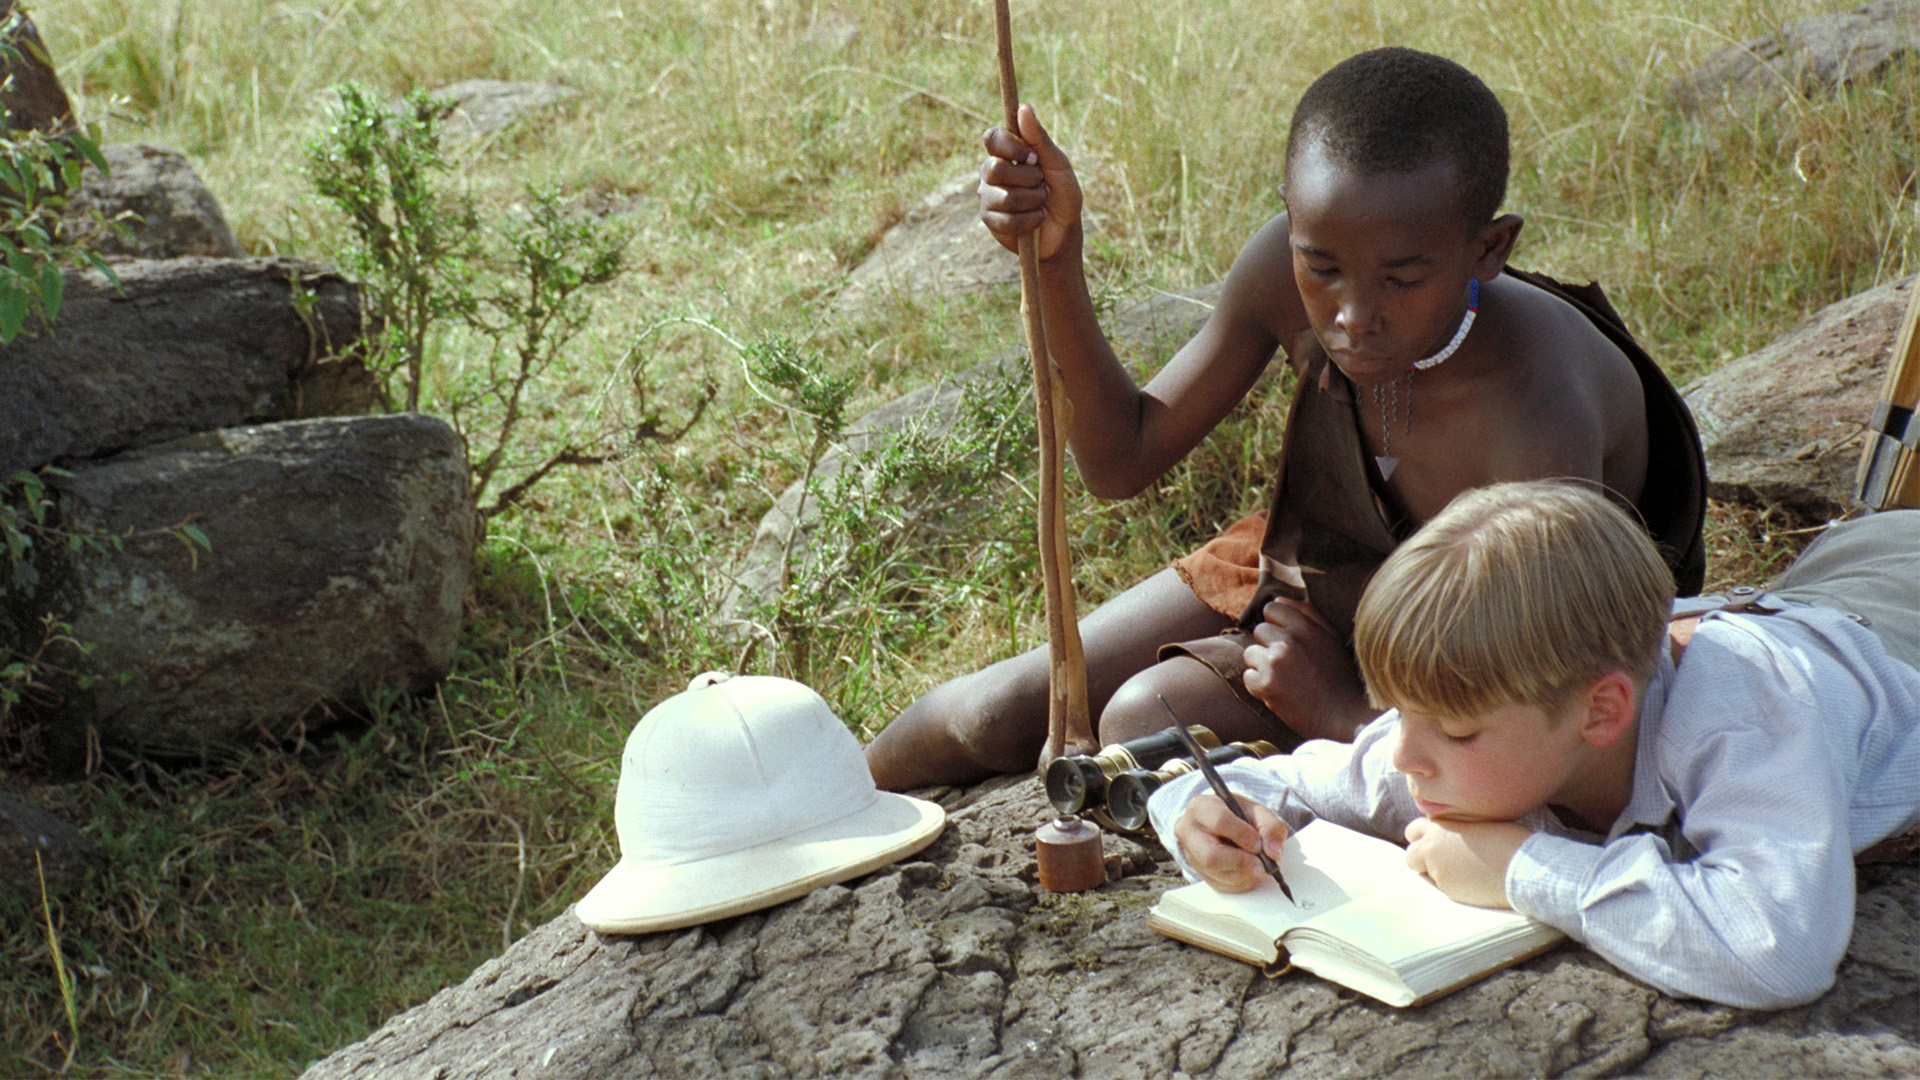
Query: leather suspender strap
{"type": "Point", "coordinates": [1741, 598]}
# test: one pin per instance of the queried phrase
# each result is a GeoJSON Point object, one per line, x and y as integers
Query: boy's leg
{"type": "Point", "coordinates": [1869, 567]}
{"type": "Point", "coordinates": [1200, 691]}
{"type": "Point", "coordinates": [995, 720]}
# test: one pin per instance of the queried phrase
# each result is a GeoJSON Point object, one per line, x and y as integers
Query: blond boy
{"type": "Point", "coordinates": [1694, 822]}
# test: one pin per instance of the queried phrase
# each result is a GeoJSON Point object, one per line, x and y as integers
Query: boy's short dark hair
{"type": "Point", "coordinates": [1395, 110]}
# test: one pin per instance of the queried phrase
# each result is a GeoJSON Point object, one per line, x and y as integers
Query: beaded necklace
{"type": "Point", "coordinates": [1388, 397]}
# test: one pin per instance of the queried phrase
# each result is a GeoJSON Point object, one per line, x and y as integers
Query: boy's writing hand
{"type": "Point", "coordinates": [1298, 668]}
{"type": "Point", "coordinates": [1220, 847]}
{"type": "Point", "coordinates": [1027, 183]}
{"type": "Point", "coordinates": [1467, 860]}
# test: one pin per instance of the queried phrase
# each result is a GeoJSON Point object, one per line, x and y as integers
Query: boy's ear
{"type": "Point", "coordinates": [1495, 243]}
{"type": "Point", "coordinates": [1608, 709]}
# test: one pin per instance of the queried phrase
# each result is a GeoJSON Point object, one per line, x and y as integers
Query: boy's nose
{"type": "Point", "coordinates": [1358, 316]}
{"type": "Point", "coordinates": [1408, 758]}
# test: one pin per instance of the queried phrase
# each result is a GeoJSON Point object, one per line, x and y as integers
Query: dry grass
{"type": "Point", "coordinates": [265, 912]}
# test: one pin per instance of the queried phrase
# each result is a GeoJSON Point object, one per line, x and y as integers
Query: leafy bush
{"type": "Point", "coordinates": [517, 284]}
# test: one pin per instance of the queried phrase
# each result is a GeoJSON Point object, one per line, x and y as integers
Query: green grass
{"type": "Point", "coordinates": [265, 911]}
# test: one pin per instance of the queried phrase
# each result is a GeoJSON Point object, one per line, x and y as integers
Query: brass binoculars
{"type": "Point", "coordinates": [1113, 786]}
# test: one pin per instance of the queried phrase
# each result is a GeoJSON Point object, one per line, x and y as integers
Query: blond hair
{"type": "Point", "coordinates": [1518, 593]}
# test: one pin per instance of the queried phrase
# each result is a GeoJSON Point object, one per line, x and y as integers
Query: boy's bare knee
{"type": "Point", "coordinates": [1195, 694]}
{"type": "Point", "coordinates": [971, 726]}
{"type": "Point", "coordinates": [1135, 709]}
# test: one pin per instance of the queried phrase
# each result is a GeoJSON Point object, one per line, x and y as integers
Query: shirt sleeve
{"type": "Point", "coordinates": [1350, 784]}
{"type": "Point", "coordinates": [1759, 912]}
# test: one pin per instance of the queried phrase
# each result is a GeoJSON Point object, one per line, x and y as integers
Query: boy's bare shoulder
{"type": "Point", "coordinates": [1260, 290]}
{"type": "Point", "coordinates": [1556, 352]}
{"type": "Point", "coordinates": [1566, 400]}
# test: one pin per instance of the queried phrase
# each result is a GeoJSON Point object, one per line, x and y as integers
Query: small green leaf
{"type": "Point", "coordinates": [13, 313]}
{"type": "Point", "coordinates": [53, 286]}
{"type": "Point", "coordinates": [89, 147]}
{"type": "Point", "coordinates": [193, 533]}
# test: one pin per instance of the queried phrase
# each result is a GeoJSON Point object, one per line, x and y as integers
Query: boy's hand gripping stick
{"type": "Point", "coordinates": [1068, 724]}
{"type": "Point", "coordinates": [1890, 463]}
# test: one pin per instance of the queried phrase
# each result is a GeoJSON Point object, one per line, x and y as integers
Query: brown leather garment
{"type": "Point", "coordinates": [1329, 529]}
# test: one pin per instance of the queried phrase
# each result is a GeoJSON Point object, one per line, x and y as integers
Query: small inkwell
{"type": "Point", "coordinates": [1069, 853]}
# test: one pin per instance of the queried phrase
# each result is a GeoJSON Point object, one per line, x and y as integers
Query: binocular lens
{"type": "Point", "coordinates": [1127, 796]}
{"type": "Point", "coordinates": [1067, 784]}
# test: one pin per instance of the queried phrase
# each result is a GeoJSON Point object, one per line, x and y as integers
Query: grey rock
{"type": "Point", "coordinates": [931, 410]}
{"type": "Point", "coordinates": [1147, 332]}
{"type": "Point", "coordinates": [167, 209]}
{"type": "Point", "coordinates": [65, 857]}
{"type": "Point", "coordinates": [1783, 426]}
{"type": "Point", "coordinates": [1816, 53]}
{"type": "Point", "coordinates": [485, 106]}
{"type": "Point", "coordinates": [956, 964]}
{"type": "Point", "coordinates": [338, 554]}
{"type": "Point", "coordinates": [181, 346]}
{"type": "Point", "coordinates": [832, 31]}
{"type": "Point", "coordinates": [939, 249]}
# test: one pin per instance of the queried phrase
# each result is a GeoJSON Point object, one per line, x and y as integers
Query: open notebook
{"type": "Point", "coordinates": [1363, 920]}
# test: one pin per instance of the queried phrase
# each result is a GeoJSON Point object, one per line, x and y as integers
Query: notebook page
{"type": "Point", "coordinates": [1414, 925]}
{"type": "Point", "coordinates": [1325, 865]}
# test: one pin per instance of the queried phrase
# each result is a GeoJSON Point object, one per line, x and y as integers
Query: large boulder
{"type": "Point", "coordinates": [180, 346]}
{"type": "Point", "coordinates": [167, 210]}
{"type": "Point", "coordinates": [1782, 427]}
{"type": "Point", "coordinates": [1816, 53]}
{"type": "Point", "coordinates": [956, 964]}
{"type": "Point", "coordinates": [337, 555]}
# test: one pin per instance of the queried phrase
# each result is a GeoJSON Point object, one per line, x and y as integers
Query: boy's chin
{"type": "Point", "coordinates": [1367, 369]}
{"type": "Point", "coordinates": [1454, 815]}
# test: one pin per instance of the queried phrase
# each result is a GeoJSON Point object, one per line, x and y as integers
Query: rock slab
{"type": "Point", "coordinates": [1816, 53]}
{"type": "Point", "coordinates": [486, 106]}
{"type": "Point", "coordinates": [338, 552]}
{"type": "Point", "coordinates": [1783, 426]}
{"type": "Point", "coordinates": [939, 249]}
{"type": "Point", "coordinates": [956, 964]}
{"type": "Point", "coordinates": [179, 346]}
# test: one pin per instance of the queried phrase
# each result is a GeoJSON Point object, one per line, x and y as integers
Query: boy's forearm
{"type": "Point", "coordinates": [1105, 436]}
{"type": "Point", "coordinates": [1761, 932]}
{"type": "Point", "coordinates": [1346, 783]}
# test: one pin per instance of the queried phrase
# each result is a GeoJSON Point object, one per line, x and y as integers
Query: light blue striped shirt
{"type": "Point", "coordinates": [1781, 746]}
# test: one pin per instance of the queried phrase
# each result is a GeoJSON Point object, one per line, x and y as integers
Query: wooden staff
{"type": "Point", "coordinates": [1067, 718]}
{"type": "Point", "coordinates": [1890, 463]}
